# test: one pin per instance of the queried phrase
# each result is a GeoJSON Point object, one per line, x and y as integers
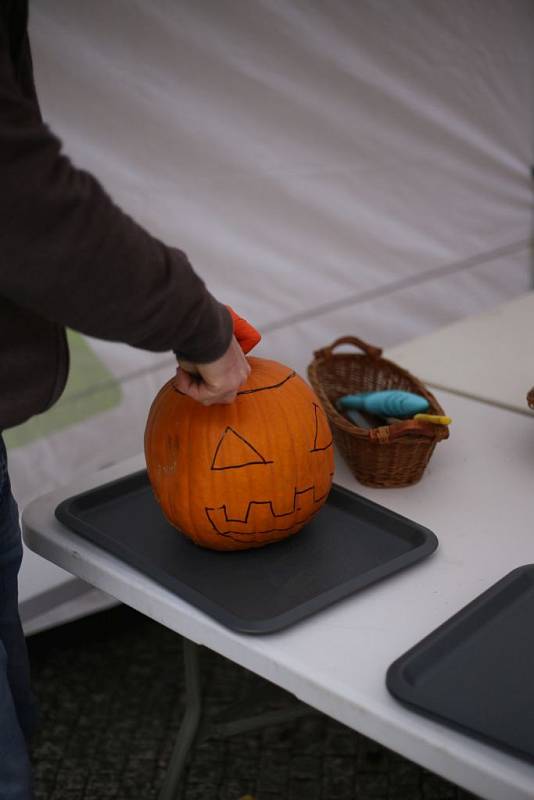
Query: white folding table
{"type": "Point", "coordinates": [489, 356]}
{"type": "Point", "coordinates": [477, 498]}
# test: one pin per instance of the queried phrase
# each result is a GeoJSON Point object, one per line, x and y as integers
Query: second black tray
{"type": "Point", "coordinates": [351, 543]}
{"type": "Point", "coordinates": [476, 671]}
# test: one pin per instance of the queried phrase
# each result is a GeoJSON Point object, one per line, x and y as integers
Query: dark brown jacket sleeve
{"type": "Point", "coordinates": [68, 253]}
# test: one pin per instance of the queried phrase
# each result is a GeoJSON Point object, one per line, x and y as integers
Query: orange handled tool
{"type": "Point", "coordinates": [247, 336]}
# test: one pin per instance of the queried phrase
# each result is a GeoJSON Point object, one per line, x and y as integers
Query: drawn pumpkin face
{"type": "Point", "coordinates": [241, 475]}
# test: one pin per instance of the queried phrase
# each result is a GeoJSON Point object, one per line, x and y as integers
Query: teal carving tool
{"type": "Point", "coordinates": [388, 403]}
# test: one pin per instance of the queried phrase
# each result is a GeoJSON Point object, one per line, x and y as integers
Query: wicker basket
{"type": "Point", "coordinates": [388, 456]}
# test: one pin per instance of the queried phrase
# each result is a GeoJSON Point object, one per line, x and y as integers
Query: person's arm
{"type": "Point", "coordinates": [70, 254]}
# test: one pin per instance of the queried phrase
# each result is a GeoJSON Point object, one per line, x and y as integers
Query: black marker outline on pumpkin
{"type": "Point", "coordinates": [247, 391]}
{"type": "Point", "coordinates": [236, 466]}
{"type": "Point", "coordinates": [263, 460]}
{"type": "Point", "coordinates": [273, 386]}
{"type": "Point", "coordinates": [232, 534]}
{"type": "Point", "coordinates": [316, 449]}
{"type": "Point", "coordinates": [235, 536]}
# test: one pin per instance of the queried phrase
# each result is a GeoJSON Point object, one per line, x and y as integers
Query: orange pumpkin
{"type": "Point", "coordinates": [246, 474]}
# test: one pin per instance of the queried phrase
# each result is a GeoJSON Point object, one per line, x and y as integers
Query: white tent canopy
{"type": "Point", "coordinates": [330, 168]}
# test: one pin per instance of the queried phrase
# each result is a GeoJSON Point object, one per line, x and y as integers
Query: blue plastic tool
{"type": "Point", "coordinates": [389, 403]}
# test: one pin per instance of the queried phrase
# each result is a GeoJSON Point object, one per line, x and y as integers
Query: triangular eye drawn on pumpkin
{"type": "Point", "coordinates": [234, 451]}
{"type": "Point", "coordinates": [322, 438]}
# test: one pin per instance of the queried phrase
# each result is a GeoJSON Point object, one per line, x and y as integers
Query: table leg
{"type": "Point", "coordinates": [190, 722]}
{"type": "Point", "coordinates": [194, 727]}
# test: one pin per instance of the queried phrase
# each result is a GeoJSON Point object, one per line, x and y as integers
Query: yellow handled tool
{"type": "Point", "coordinates": [436, 419]}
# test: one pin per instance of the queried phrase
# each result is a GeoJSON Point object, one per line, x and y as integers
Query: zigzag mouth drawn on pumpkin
{"type": "Point", "coordinates": [240, 527]}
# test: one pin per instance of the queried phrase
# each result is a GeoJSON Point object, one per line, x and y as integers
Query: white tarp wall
{"type": "Point", "coordinates": [350, 166]}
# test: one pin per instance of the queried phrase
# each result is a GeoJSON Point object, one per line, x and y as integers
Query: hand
{"type": "Point", "coordinates": [216, 382]}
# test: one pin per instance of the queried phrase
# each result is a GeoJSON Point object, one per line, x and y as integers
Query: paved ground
{"type": "Point", "coordinates": [111, 690]}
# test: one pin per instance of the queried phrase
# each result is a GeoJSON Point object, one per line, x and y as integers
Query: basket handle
{"type": "Point", "coordinates": [387, 433]}
{"type": "Point", "coordinates": [368, 349]}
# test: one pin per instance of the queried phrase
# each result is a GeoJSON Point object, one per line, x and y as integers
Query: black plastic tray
{"type": "Point", "coordinates": [351, 543]}
{"type": "Point", "coordinates": [475, 672]}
